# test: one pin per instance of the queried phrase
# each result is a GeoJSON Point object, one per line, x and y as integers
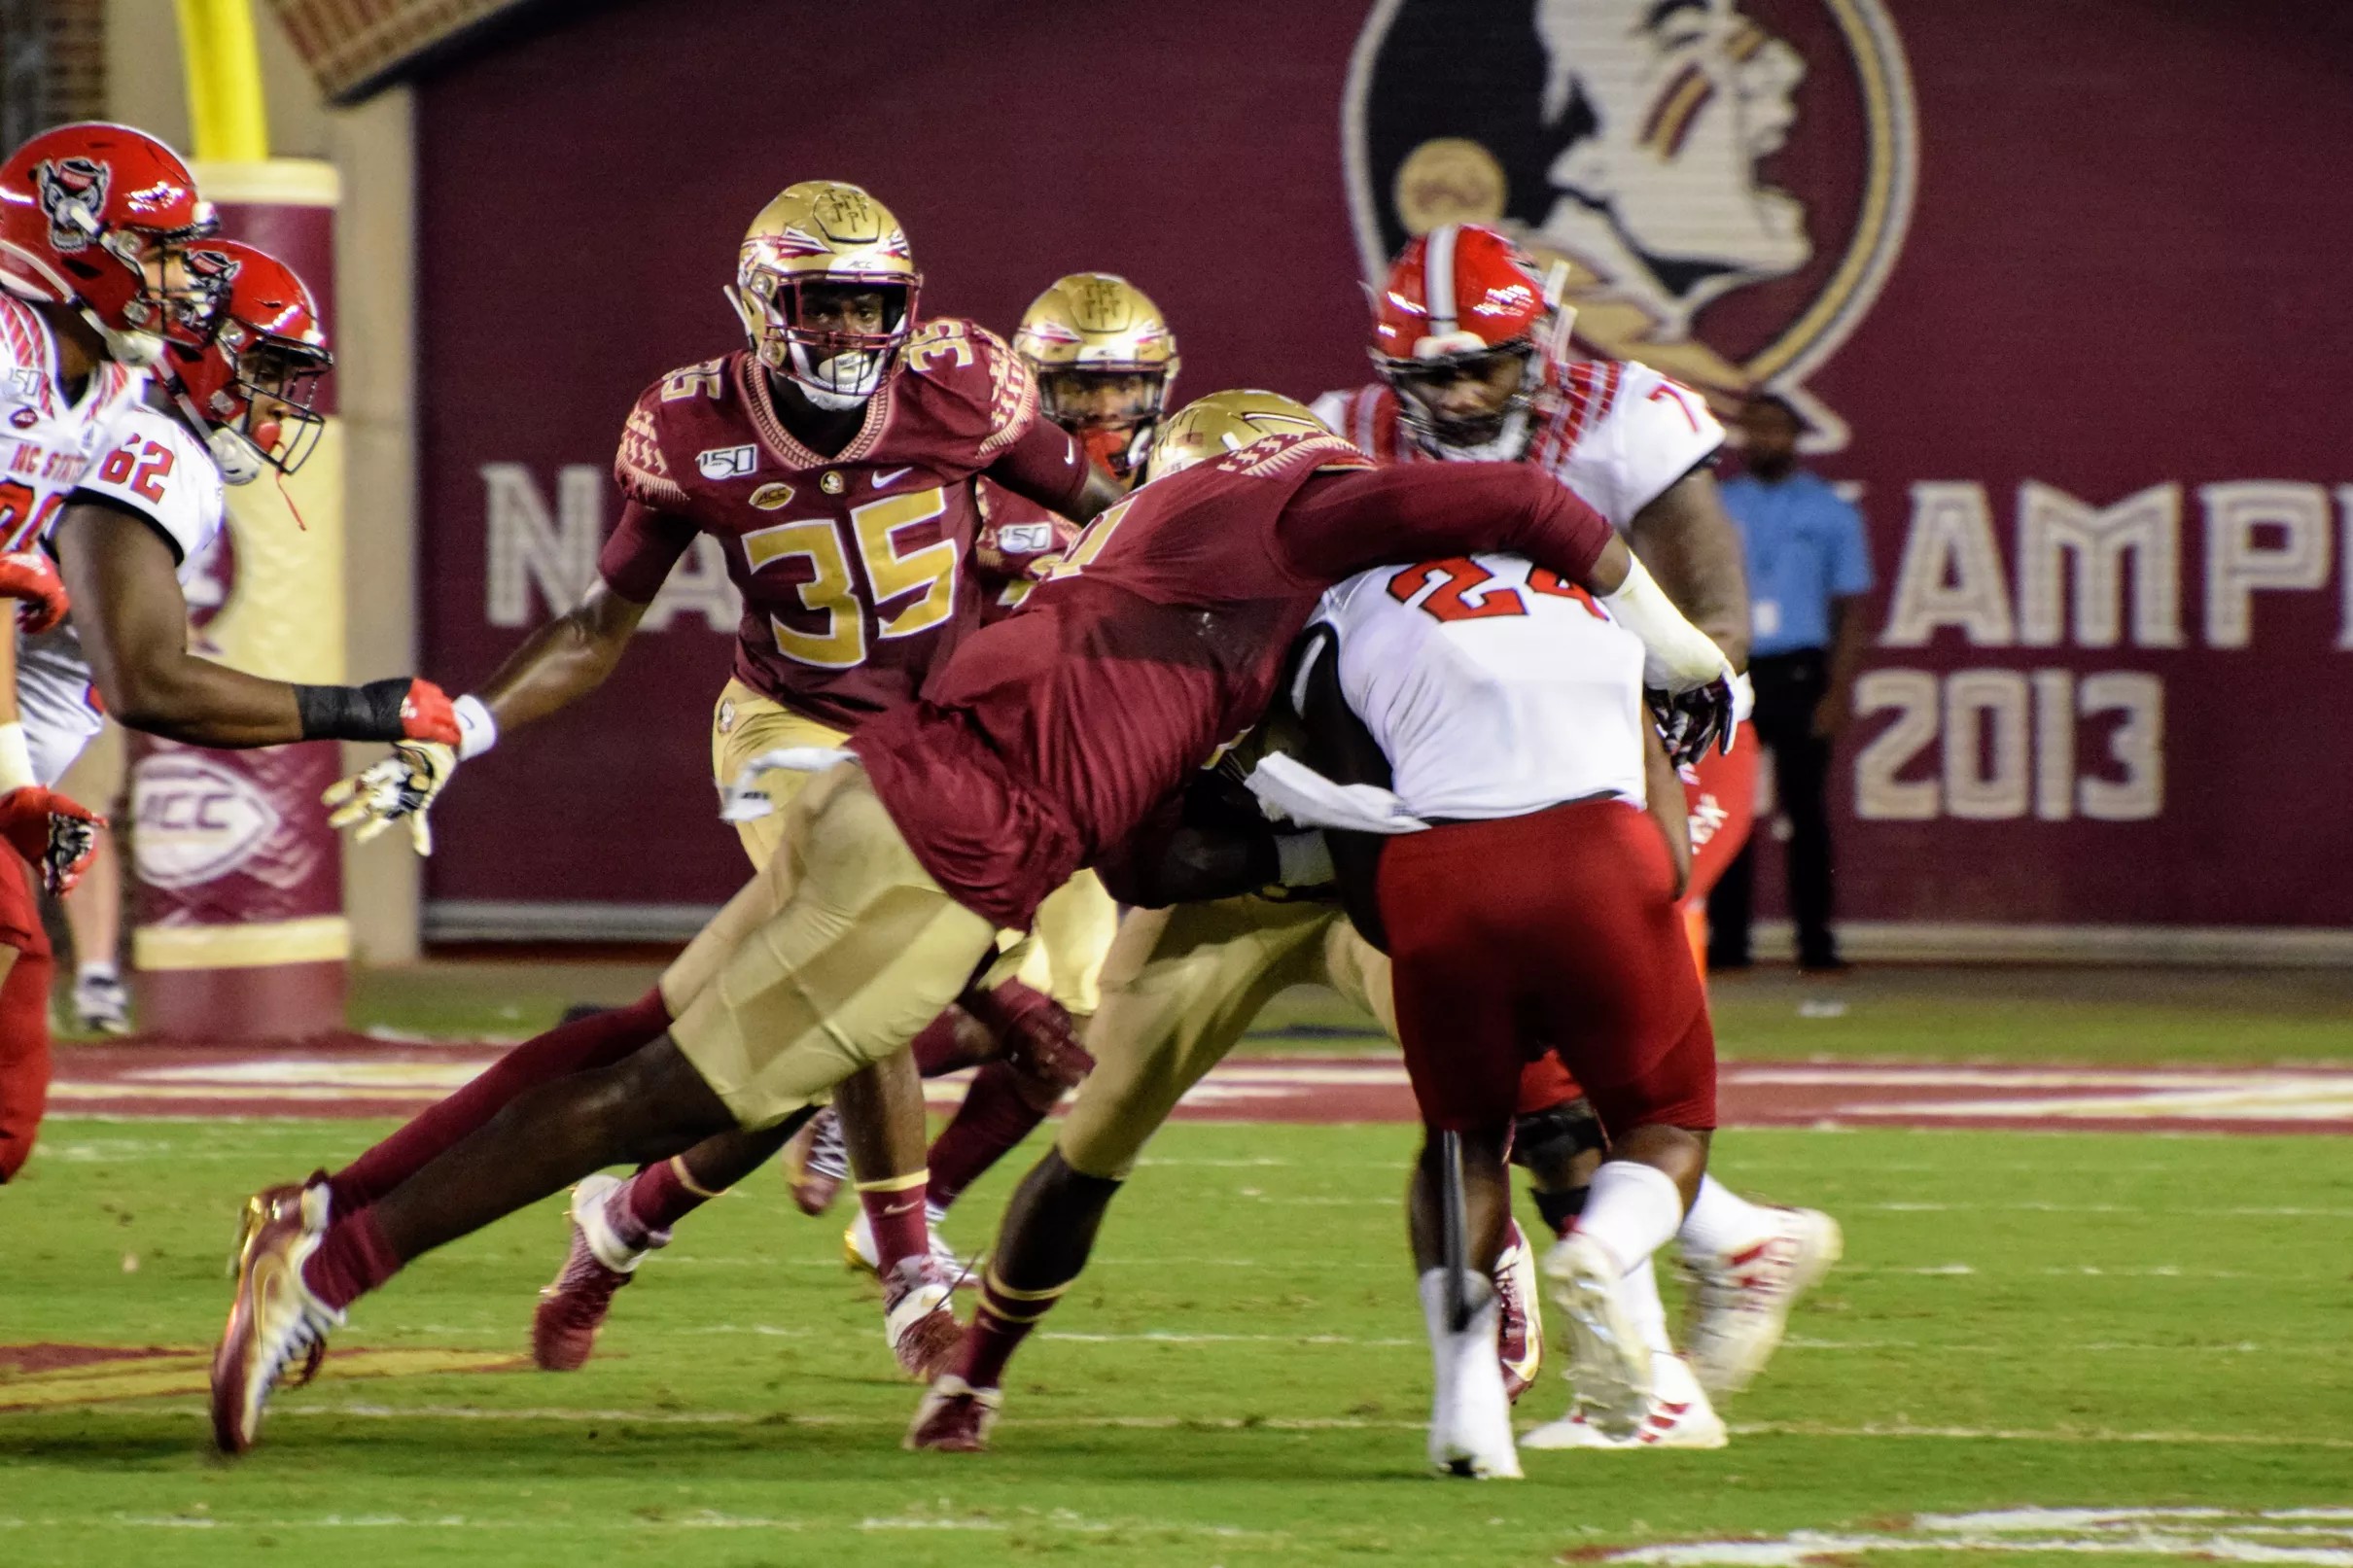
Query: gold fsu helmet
{"type": "Point", "coordinates": [1223, 422]}
{"type": "Point", "coordinates": [1084, 336]}
{"type": "Point", "coordinates": [824, 235]}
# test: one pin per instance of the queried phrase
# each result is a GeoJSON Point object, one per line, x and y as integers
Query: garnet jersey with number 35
{"type": "Point", "coordinates": [1045, 740]}
{"type": "Point", "coordinates": [856, 569]}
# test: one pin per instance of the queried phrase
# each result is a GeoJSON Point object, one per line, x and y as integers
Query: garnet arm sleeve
{"type": "Point", "coordinates": [1045, 465]}
{"type": "Point", "coordinates": [637, 559]}
{"type": "Point", "coordinates": [1344, 524]}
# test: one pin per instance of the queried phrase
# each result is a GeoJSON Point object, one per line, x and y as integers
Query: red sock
{"type": "Point", "coordinates": [952, 1040]}
{"type": "Point", "coordinates": [994, 1117]}
{"type": "Point", "coordinates": [595, 1041]}
{"type": "Point", "coordinates": [1004, 1320]}
{"type": "Point", "coordinates": [24, 1058]}
{"type": "Point", "coordinates": [894, 1209]}
{"type": "Point", "coordinates": [661, 1195]}
{"type": "Point", "coordinates": [352, 1259]}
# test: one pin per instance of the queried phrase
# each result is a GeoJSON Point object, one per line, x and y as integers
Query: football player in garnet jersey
{"type": "Point", "coordinates": [833, 461]}
{"type": "Point", "coordinates": [1039, 747]}
{"type": "Point", "coordinates": [1472, 353]}
{"type": "Point", "coordinates": [1105, 363]}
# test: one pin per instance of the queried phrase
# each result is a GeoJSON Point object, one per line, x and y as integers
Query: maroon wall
{"type": "Point", "coordinates": [2123, 269]}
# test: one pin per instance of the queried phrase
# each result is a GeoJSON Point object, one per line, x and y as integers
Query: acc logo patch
{"type": "Point", "coordinates": [772, 496]}
{"type": "Point", "coordinates": [727, 462]}
{"type": "Point", "coordinates": [727, 715]}
{"type": "Point", "coordinates": [23, 418]}
{"type": "Point", "coordinates": [1727, 183]}
{"type": "Point", "coordinates": [197, 820]}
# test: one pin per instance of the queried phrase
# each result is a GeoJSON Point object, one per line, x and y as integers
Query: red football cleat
{"type": "Point", "coordinates": [815, 1163]}
{"type": "Point", "coordinates": [571, 1311]}
{"type": "Point", "coordinates": [953, 1416]}
{"type": "Point", "coordinates": [273, 1320]}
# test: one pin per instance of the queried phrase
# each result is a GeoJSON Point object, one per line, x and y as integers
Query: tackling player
{"type": "Point", "coordinates": [1040, 745]}
{"type": "Point", "coordinates": [833, 461]}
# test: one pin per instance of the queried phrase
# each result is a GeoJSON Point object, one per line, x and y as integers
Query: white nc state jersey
{"type": "Point", "coordinates": [1494, 688]}
{"type": "Point", "coordinates": [47, 441]}
{"type": "Point", "coordinates": [153, 464]}
{"type": "Point", "coordinates": [1615, 431]}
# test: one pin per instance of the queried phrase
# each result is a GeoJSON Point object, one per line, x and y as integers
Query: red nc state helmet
{"type": "Point", "coordinates": [83, 208]}
{"type": "Point", "coordinates": [246, 348]}
{"type": "Point", "coordinates": [1457, 299]}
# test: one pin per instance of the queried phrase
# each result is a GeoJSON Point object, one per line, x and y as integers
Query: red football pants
{"type": "Point", "coordinates": [1557, 927]}
{"type": "Point", "coordinates": [1723, 804]}
{"type": "Point", "coordinates": [24, 1060]}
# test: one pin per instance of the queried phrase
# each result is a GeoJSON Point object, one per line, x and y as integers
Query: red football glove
{"type": "Point", "coordinates": [32, 577]}
{"type": "Point", "coordinates": [426, 714]}
{"type": "Point", "coordinates": [52, 832]}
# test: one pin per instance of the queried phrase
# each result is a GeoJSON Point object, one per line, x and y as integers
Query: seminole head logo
{"type": "Point", "coordinates": [73, 199]}
{"type": "Point", "coordinates": [1727, 182]}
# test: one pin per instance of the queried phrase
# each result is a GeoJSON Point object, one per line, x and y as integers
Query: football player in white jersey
{"type": "Point", "coordinates": [1523, 888]}
{"type": "Point", "coordinates": [235, 341]}
{"type": "Point", "coordinates": [1472, 350]}
{"type": "Point", "coordinates": [91, 218]}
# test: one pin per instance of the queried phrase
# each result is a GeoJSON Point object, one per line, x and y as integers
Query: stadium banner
{"type": "Point", "coordinates": [240, 931]}
{"type": "Point", "coordinates": [2106, 471]}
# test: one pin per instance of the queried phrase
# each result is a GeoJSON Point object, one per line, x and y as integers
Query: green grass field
{"type": "Point", "coordinates": [2140, 1016]}
{"type": "Point", "coordinates": [2026, 1321]}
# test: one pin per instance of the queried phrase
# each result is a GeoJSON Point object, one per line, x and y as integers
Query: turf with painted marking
{"type": "Point", "coordinates": [2055, 1320]}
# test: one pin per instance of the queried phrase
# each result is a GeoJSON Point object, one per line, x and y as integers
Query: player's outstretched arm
{"type": "Point", "coordinates": [1689, 545]}
{"type": "Point", "coordinates": [564, 660]}
{"type": "Point", "coordinates": [133, 623]}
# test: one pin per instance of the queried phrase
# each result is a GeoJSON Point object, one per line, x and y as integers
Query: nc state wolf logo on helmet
{"type": "Point", "coordinates": [1727, 180]}
{"type": "Point", "coordinates": [210, 276]}
{"type": "Point", "coordinates": [73, 194]}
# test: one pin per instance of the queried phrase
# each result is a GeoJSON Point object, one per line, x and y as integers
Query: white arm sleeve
{"type": "Point", "coordinates": [151, 464]}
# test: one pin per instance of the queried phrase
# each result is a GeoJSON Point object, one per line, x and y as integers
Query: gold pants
{"type": "Point", "coordinates": [835, 954]}
{"type": "Point", "coordinates": [1179, 987]}
{"type": "Point", "coordinates": [741, 1003]}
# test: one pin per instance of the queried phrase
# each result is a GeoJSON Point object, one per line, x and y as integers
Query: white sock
{"type": "Point", "coordinates": [1631, 1209]}
{"type": "Point", "coordinates": [1477, 1288]}
{"type": "Point", "coordinates": [96, 969]}
{"type": "Point", "coordinates": [1642, 1287]}
{"type": "Point", "coordinates": [1722, 1221]}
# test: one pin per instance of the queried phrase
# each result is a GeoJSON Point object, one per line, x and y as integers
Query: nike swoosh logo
{"type": "Point", "coordinates": [882, 479]}
{"type": "Point", "coordinates": [893, 1210]}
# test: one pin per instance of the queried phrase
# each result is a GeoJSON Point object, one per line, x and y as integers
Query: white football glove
{"type": "Point", "coordinates": [745, 799]}
{"type": "Point", "coordinates": [402, 785]}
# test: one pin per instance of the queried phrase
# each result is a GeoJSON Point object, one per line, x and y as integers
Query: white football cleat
{"type": "Point", "coordinates": [918, 1321]}
{"type": "Point", "coordinates": [1679, 1417]}
{"type": "Point", "coordinates": [1609, 1364]}
{"type": "Point", "coordinates": [1521, 1340]}
{"type": "Point", "coordinates": [858, 1252]}
{"type": "Point", "coordinates": [1740, 1300]}
{"type": "Point", "coordinates": [1470, 1423]}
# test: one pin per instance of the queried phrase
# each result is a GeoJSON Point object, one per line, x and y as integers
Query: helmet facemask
{"type": "Point", "coordinates": [1471, 404]}
{"type": "Point", "coordinates": [276, 383]}
{"type": "Point", "coordinates": [1112, 409]}
{"type": "Point", "coordinates": [834, 336]}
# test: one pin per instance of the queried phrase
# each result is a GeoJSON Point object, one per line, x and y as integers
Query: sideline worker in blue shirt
{"type": "Point", "coordinates": [1808, 567]}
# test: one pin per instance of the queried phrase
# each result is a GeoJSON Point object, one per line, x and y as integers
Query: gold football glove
{"type": "Point", "coordinates": [402, 785]}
